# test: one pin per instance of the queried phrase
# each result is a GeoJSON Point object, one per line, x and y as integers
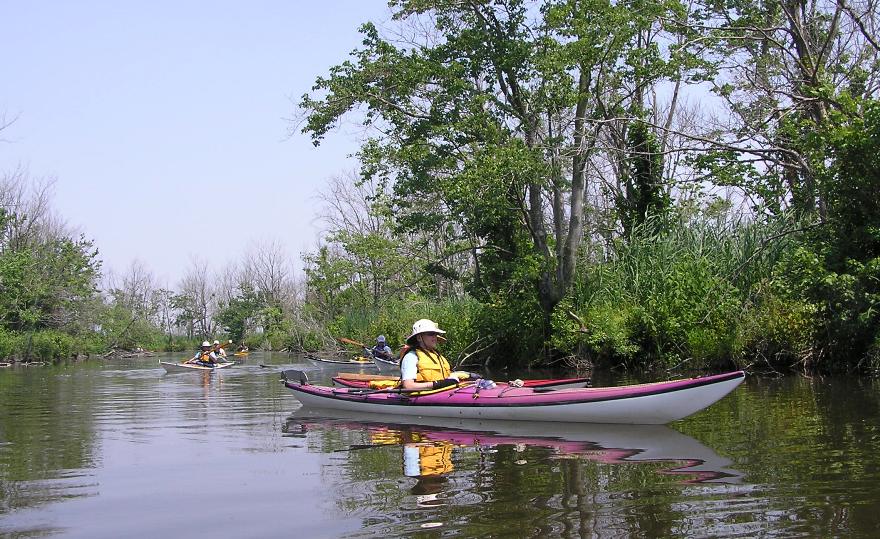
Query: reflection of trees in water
{"type": "Point", "coordinates": [47, 430]}
{"type": "Point", "coordinates": [556, 495]}
{"type": "Point", "coordinates": [813, 447]}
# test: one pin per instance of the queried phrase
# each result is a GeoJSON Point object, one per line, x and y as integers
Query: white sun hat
{"type": "Point", "coordinates": [206, 343]}
{"type": "Point", "coordinates": [424, 326]}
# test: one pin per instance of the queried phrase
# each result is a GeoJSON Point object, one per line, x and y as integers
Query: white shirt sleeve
{"type": "Point", "coordinates": [409, 366]}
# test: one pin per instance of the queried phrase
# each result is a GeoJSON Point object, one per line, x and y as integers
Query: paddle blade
{"type": "Point", "coordinates": [350, 341]}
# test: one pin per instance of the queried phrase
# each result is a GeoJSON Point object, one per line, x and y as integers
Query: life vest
{"type": "Point", "coordinates": [431, 366]}
{"type": "Point", "coordinates": [205, 357]}
{"type": "Point", "coordinates": [383, 352]}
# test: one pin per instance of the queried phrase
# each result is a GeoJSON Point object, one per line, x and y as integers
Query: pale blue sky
{"type": "Point", "coordinates": [163, 121]}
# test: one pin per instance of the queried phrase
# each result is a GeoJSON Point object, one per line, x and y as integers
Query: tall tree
{"type": "Point", "coordinates": [492, 121]}
{"type": "Point", "coordinates": [48, 275]}
{"type": "Point", "coordinates": [780, 67]}
{"type": "Point", "coordinates": [197, 300]}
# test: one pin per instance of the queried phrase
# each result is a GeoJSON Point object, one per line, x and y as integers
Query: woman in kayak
{"type": "Point", "coordinates": [204, 356]}
{"type": "Point", "coordinates": [219, 352]}
{"type": "Point", "coordinates": [423, 367]}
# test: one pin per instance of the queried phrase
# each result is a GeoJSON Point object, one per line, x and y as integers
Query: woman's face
{"type": "Point", "coordinates": [428, 340]}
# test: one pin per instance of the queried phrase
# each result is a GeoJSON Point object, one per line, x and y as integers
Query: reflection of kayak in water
{"type": "Point", "coordinates": [656, 403]}
{"type": "Point", "coordinates": [607, 444]}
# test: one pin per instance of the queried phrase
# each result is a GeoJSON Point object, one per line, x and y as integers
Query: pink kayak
{"type": "Point", "coordinates": [656, 403]}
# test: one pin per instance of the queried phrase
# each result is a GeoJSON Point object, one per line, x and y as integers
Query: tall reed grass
{"type": "Point", "coordinates": [691, 295]}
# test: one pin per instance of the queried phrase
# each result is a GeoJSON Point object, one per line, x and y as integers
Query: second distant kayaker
{"type": "Point", "coordinates": [219, 352]}
{"type": "Point", "coordinates": [382, 350]}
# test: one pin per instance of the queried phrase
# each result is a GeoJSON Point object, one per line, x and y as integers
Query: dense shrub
{"type": "Point", "coordinates": [674, 298]}
{"type": "Point", "coordinates": [10, 344]}
{"type": "Point", "coordinates": [48, 345]}
{"type": "Point", "coordinates": [396, 317]}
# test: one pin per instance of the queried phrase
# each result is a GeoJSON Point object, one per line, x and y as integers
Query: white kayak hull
{"type": "Point", "coordinates": [174, 368]}
{"type": "Point", "coordinates": [387, 367]}
{"type": "Point", "coordinates": [341, 364]}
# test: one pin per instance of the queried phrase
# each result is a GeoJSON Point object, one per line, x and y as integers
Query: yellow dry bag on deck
{"type": "Point", "coordinates": [383, 384]}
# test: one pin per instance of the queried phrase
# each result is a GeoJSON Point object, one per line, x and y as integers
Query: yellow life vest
{"type": "Point", "coordinates": [431, 366]}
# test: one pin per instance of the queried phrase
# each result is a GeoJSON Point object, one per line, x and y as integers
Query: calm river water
{"type": "Point", "coordinates": [122, 449]}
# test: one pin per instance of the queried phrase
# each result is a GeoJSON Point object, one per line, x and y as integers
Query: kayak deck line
{"type": "Point", "coordinates": [361, 380]}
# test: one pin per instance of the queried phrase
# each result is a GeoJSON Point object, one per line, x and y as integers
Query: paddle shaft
{"type": "Point", "coordinates": [373, 391]}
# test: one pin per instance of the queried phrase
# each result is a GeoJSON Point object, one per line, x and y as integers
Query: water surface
{"type": "Point", "coordinates": [109, 449]}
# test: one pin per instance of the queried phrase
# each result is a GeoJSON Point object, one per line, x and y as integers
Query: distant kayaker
{"type": "Point", "coordinates": [204, 356]}
{"type": "Point", "coordinates": [423, 367]}
{"type": "Point", "coordinates": [382, 350]}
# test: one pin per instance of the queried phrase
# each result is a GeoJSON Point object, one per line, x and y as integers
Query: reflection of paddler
{"type": "Point", "coordinates": [426, 458]}
{"type": "Point", "coordinates": [427, 489]}
{"type": "Point", "coordinates": [429, 462]}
